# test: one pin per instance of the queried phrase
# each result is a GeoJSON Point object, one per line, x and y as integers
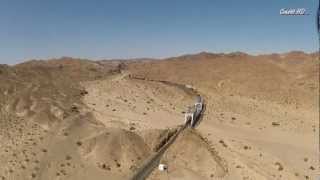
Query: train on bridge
{"type": "Point", "coordinates": [193, 113]}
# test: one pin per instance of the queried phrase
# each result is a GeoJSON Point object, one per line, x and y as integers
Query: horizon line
{"type": "Point", "coordinates": [165, 57]}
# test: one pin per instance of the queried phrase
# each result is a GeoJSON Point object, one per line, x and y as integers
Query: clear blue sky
{"type": "Point", "coordinates": [99, 29]}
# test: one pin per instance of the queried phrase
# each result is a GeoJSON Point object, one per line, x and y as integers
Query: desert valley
{"type": "Point", "coordinates": [79, 119]}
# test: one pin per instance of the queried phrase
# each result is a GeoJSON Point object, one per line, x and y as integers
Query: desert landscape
{"type": "Point", "coordinates": [71, 119]}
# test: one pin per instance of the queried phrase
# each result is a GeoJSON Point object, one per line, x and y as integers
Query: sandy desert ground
{"type": "Point", "coordinates": [79, 119]}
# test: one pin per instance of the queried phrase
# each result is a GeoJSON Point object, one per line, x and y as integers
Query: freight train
{"type": "Point", "coordinates": [194, 112]}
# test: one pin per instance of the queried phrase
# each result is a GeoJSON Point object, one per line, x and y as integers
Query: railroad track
{"type": "Point", "coordinates": [154, 159]}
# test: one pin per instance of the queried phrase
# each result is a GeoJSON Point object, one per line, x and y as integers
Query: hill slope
{"type": "Point", "coordinates": [79, 119]}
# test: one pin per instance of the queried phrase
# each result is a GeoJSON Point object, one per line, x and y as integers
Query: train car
{"type": "Point", "coordinates": [194, 112]}
{"type": "Point", "coordinates": [198, 106]}
{"type": "Point", "coordinates": [189, 115]}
